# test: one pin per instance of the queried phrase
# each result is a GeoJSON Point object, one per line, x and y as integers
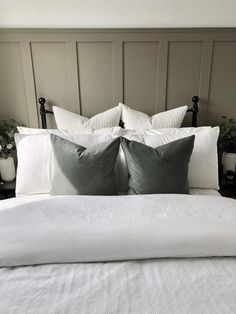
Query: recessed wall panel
{"type": "Point", "coordinates": [50, 73]}
{"type": "Point", "coordinates": [12, 89]}
{"type": "Point", "coordinates": [140, 75]}
{"type": "Point", "coordinates": [149, 70]}
{"type": "Point", "coordinates": [183, 74]}
{"type": "Point", "coordinates": [95, 64]}
{"type": "Point", "coordinates": [222, 96]}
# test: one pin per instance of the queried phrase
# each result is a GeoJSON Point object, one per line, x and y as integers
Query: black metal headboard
{"type": "Point", "coordinates": [43, 111]}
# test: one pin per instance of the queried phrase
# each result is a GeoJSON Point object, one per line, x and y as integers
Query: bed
{"type": "Point", "coordinates": [143, 253]}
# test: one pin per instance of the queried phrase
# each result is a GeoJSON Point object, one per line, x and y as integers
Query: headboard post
{"type": "Point", "coordinates": [43, 112]}
{"type": "Point", "coordinates": [195, 109]}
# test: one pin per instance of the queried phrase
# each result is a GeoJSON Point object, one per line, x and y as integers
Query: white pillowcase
{"type": "Point", "coordinates": [35, 162]}
{"type": "Point", "coordinates": [105, 131]}
{"type": "Point", "coordinates": [35, 154]}
{"type": "Point", "coordinates": [203, 166]}
{"type": "Point", "coordinates": [67, 120]}
{"type": "Point", "coordinates": [134, 119]}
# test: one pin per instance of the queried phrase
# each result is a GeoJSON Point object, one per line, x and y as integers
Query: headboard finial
{"type": "Point", "coordinates": [42, 100]}
{"type": "Point", "coordinates": [195, 99]}
{"type": "Point", "coordinates": [43, 111]}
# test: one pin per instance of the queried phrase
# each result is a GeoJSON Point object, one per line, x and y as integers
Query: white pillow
{"type": "Point", "coordinates": [134, 119]}
{"type": "Point", "coordinates": [187, 131]}
{"type": "Point", "coordinates": [203, 166]}
{"type": "Point", "coordinates": [34, 154]}
{"type": "Point", "coordinates": [67, 120]}
{"type": "Point", "coordinates": [105, 131]}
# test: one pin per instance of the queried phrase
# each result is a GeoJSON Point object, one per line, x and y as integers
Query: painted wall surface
{"type": "Point", "coordinates": [89, 71]}
{"type": "Point", "coordinates": [117, 13]}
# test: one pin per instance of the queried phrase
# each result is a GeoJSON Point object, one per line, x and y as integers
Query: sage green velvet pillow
{"type": "Point", "coordinates": [84, 171]}
{"type": "Point", "coordinates": [158, 170]}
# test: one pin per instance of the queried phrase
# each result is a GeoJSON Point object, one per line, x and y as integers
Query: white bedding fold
{"type": "Point", "coordinates": [66, 229]}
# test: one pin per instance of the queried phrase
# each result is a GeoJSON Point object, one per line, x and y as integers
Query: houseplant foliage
{"type": "Point", "coordinates": [7, 143]}
{"type": "Point", "coordinates": [7, 149]}
{"type": "Point", "coordinates": [227, 138]}
{"type": "Point", "coordinates": [227, 146]}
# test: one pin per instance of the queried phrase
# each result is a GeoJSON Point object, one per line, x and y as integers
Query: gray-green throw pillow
{"type": "Point", "coordinates": [158, 170]}
{"type": "Point", "coordinates": [84, 171]}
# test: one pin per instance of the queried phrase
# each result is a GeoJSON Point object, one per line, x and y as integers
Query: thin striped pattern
{"type": "Point", "coordinates": [134, 119]}
{"type": "Point", "coordinates": [67, 120]}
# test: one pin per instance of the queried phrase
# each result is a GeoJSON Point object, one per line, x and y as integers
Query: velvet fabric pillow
{"type": "Point", "coordinates": [84, 171]}
{"type": "Point", "coordinates": [158, 170]}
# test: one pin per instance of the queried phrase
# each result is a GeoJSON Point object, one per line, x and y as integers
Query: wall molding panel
{"type": "Point", "coordinates": [90, 70]}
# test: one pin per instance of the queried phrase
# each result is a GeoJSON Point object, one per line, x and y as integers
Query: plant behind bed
{"type": "Point", "coordinates": [227, 147]}
{"type": "Point", "coordinates": [227, 138]}
{"type": "Point", "coordinates": [7, 143]}
{"type": "Point", "coordinates": [7, 149]}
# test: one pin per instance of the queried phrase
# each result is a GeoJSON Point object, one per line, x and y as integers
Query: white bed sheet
{"type": "Point", "coordinates": [192, 191]}
{"type": "Point", "coordinates": [165, 286]}
{"type": "Point", "coordinates": [205, 192]}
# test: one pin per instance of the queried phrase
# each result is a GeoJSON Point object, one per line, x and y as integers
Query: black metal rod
{"type": "Point", "coordinates": [195, 101]}
{"type": "Point", "coordinates": [43, 112]}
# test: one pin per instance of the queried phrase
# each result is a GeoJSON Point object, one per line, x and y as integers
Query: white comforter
{"type": "Point", "coordinates": [61, 229]}
{"type": "Point", "coordinates": [67, 229]}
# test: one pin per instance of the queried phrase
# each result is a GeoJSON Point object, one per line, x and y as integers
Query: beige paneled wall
{"type": "Point", "coordinates": [140, 75]}
{"type": "Point", "coordinates": [183, 73]}
{"type": "Point", "coordinates": [222, 93]}
{"type": "Point", "coordinates": [95, 63]}
{"type": "Point", "coordinates": [12, 85]}
{"type": "Point", "coordinates": [88, 71]}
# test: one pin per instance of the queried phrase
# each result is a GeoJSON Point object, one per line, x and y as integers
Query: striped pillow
{"type": "Point", "coordinates": [67, 120]}
{"type": "Point", "coordinates": [134, 119]}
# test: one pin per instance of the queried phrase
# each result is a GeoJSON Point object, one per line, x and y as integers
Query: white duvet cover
{"type": "Point", "coordinates": [69, 229]}
{"type": "Point", "coordinates": [44, 230]}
